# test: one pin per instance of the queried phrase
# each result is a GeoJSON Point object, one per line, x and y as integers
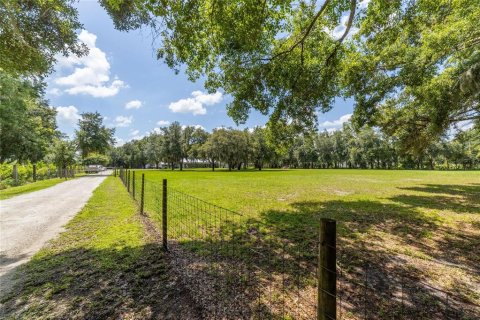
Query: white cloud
{"type": "Point", "coordinates": [336, 124]}
{"type": "Point", "coordinates": [464, 125]}
{"type": "Point", "coordinates": [119, 142]}
{"type": "Point", "coordinates": [363, 4]}
{"type": "Point", "coordinates": [54, 92]}
{"type": "Point", "coordinates": [157, 131]}
{"type": "Point", "coordinates": [137, 137]}
{"type": "Point", "coordinates": [187, 106]}
{"type": "Point", "coordinates": [122, 121]}
{"type": "Point", "coordinates": [163, 123]}
{"type": "Point", "coordinates": [91, 73]}
{"type": "Point", "coordinates": [134, 132]}
{"type": "Point", "coordinates": [196, 104]}
{"type": "Point", "coordinates": [68, 115]}
{"type": "Point", "coordinates": [337, 33]}
{"type": "Point", "coordinates": [196, 126]}
{"type": "Point", "coordinates": [208, 99]}
{"type": "Point", "coordinates": [134, 104]}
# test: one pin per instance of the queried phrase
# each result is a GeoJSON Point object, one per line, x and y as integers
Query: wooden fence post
{"type": "Point", "coordinates": [15, 172]}
{"type": "Point", "coordinates": [142, 194]}
{"type": "Point", "coordinates": [128, 180]}
{"type": "Point", "coordinates": [133, 184]}
{"type": "Point", "coordinates": [164, 215]}
{"type": "Point", "coordinates": [34, 172]}
{"type": "Point", "coordinates": [327, 271]}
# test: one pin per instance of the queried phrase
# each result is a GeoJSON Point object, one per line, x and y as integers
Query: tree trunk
{"type": "Point", "coordinates": [34, 173]}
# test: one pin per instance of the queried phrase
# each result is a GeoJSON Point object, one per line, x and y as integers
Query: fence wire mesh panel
{"type": "Point", "coordinates": [240, 268]}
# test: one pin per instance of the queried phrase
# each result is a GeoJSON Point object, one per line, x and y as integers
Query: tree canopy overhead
{"type": "Point", "coordinates": [412, 66]}
{"type": "Point", "coordinates": [34, 31]}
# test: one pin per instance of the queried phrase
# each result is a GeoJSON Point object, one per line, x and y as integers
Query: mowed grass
{"type": "Point", "coordinates": [424, 222]}
{"type": "Point", "coordinates": [29, 187]}
{"type": "Point", "coordinates": [104, 266]}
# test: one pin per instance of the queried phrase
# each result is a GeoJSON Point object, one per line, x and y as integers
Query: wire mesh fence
{"type": "Point", "coordinates": [240, 268]}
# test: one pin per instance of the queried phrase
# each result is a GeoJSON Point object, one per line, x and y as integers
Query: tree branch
{"type": "Point", "coordinates": [305, 35]}
{"type": "Point", "coordinates": [353, 5]}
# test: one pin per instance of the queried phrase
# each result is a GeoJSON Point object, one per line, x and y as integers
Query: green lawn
{"type": "Point", "coordinates": [424, 222]}
{"type": "Point", "coordinates": [30, 187]}
{"type": "Point", "coordinates": [104, 266]}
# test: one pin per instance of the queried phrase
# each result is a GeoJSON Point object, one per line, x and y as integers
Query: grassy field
{"type": "Point", "coordinates": [425, 222]}
{"type": "Point", "coordinates": [104, 266]}
{"type": "Point", "coordinates": [109, 264]}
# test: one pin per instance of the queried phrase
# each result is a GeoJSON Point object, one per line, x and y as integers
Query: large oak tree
{"type": "Point", "coordinates": [412, 66]}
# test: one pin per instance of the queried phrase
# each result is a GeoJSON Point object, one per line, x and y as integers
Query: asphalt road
{"type": "Point", "coordinates": [28, 221]}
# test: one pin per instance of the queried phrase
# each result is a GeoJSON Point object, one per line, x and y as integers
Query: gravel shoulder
{"type": "Point", "coordinates": [28, 221]}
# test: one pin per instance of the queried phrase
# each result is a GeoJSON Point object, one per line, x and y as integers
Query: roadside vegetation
{"type": "Point", "coordinates": [105, 265]}
{"type": "Point", "coordinates": [29, 187]}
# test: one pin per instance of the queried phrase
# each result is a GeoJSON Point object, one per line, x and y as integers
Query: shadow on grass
{"type": "Point", "coordinates": [457, 198]}
{"type": "Point", "coordinates": [133, 283]}
{"type": "Point", "coordinates": [274, 261]}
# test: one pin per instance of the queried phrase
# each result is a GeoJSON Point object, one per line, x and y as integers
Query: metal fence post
{"type": "Point", "coordinates": [164, 215]}
{"type": "Point", "coordinates": [133, 184]}
{"type": "Point", "coordinates": [327, 275]}
{"type": "Point", "coordinates": [142, 195]}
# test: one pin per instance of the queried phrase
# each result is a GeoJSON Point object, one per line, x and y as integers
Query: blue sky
{"type": "Point", "coordinates": [136, 93]}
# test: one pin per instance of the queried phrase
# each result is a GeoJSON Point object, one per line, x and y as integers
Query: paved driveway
{"type": "Point", "coordinates": [28, 221]}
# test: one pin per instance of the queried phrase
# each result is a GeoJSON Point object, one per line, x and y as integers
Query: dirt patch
{"type": "Point", "coordinates": [342, 192]}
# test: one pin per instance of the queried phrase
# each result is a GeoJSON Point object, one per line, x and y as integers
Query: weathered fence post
{"type": "Point", "coordinates": [142, 194]}
{"type": "Point", "coordinates": [164, 215]}
{"type": "Point", "coordinates": [115, 171]}
{"type": "Point", "coordinates": [15, 172]}
{"type": "Point", "coordinates": [327, 271]}
{"type": "Point", "coordinates": [133, 184]}
{"type": "Point", "coordinates": [34, 172]}
{"type": "Point", "coordinates": [128, 181]}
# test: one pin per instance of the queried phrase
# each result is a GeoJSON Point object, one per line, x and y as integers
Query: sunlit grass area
{"type": "Point", "coordinates": [424, 222]}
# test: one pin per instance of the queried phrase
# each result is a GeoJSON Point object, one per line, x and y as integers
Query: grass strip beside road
{"type": "Point", "coordinates": [104, 265]}
{"type": "Point", "coordinates": [29, 187]}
